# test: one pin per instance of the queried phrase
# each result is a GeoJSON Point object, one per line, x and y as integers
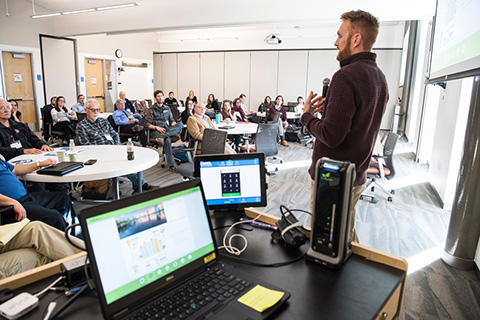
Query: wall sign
{"type": "Point", "coordinates": [17, 77]}
{"type": "Point", "coordinates": [94, 81]}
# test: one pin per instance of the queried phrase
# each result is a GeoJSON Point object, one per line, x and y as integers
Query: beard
{"type": "Point", "coordinates": [346, 51]}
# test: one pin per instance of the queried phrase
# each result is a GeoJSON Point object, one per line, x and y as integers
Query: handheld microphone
{"type": "Point", "coordinates": [326, 82]}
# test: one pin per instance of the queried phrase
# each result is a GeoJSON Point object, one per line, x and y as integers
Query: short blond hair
{"type": "Point", "coordinates": [364, 23]}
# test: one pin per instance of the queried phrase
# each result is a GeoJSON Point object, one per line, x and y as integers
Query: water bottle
{"type": "Point", "coordinates": [130, 155]}
{"type": "Point", "coordinates": [217, 118]}
{"type": "Point", "coordinates": [72, 145]}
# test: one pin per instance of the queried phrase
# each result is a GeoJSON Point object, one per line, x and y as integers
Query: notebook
{"type": "Point", "coordinates": [147, 250]}
{"type": "Point", "coordinates": [62, 168]}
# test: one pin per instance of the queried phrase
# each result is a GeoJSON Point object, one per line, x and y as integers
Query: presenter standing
{"type": "Point", "coordinates": [354, 104]}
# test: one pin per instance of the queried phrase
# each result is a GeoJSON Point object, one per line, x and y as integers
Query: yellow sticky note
{"type": "Point", "coordinates": [261, 298]}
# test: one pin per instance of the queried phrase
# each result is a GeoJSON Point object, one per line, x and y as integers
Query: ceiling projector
{"type": "Point", "coordinates": [273, 38]}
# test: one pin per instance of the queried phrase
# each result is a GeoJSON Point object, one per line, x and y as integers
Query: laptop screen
{"type": "Point", "coordinates": [232, 180]}
{"type": "Point", "coordinates": [142, 243]}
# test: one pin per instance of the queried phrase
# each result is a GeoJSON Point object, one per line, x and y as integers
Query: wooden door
{"type": "Point", "coordinates": [17, 68]}
{"type": "Point", "coordinates": [94, 77]}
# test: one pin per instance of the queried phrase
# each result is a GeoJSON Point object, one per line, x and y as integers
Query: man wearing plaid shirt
{"type": "Point", "coordinates": [98, 131]}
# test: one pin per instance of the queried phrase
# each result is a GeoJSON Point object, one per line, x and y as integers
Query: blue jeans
{"type": "Point", "coordinates": [167, 143]}
{"type": "Point", "coordinates": [134, 180]}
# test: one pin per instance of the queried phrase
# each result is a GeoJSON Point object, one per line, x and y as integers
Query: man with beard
{"type": "Point", "coordinates": [354, 104]}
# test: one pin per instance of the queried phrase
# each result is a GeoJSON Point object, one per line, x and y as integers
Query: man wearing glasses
{"type": "Point", "coordinates": [97, 131]}
{"type": "Point", "coordinates": [16, 138]}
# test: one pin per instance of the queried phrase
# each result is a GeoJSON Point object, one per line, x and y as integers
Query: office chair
{"type": "Point", "coordinates": [381, 167]}
{"type": "Point", "coordinates": [123, 135]}
{"type": "Point", "coordinates": [266, 141]}
{"type": "Point", "coordinates": [213, 142]}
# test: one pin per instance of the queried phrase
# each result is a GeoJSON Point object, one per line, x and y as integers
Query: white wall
{"type": "Point", "coordinates": [448, 138]}
{"type": "Point", "coordinates": [257, 74]}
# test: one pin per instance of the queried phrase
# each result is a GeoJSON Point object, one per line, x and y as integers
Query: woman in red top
{"type": "Point", "coordinates": [282, 120]}
{"type": "Point", "coordinates": [238, 111]}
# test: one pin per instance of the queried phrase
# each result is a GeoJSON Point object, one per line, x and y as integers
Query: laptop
{"type": "Point", "coordinates": [155, 254]}
{"type": "Point", "coordinates": [61, 169]}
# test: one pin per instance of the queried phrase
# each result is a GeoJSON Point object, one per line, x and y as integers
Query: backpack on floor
{"type": "Point", "coordinates": [98, 189]}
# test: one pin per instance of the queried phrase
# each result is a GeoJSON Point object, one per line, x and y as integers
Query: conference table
{"type": "Point", "coordinates": [111, 163]}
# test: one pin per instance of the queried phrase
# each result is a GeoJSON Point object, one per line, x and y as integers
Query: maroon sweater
{"type": "Point", "coordinates": [354, 107]}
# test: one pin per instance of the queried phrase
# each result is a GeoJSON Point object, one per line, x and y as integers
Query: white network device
{"type": "Point", "coordinates": [18, 306]}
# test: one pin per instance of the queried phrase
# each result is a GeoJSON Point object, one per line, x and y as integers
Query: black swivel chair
{"type": "Point", "coordinates": [54, 138]}
{"type": "Point", "coordinates": [266, 141]}
{"type": "Point", "coordinates": [123, 135]}
{"type": "Point", "coordinates": [213, 142]}
{"type": "Point", "coordinates": [381, 167]}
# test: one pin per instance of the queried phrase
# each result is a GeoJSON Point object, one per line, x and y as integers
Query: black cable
{"type": "Point", "coordinates": [68, 303]}
{"type": "Point", "coordinates": [70, 240]}
{"type": "Point", "coordinates": [266, 265]}
{"type": "Point", "coordinates": [238, 226]}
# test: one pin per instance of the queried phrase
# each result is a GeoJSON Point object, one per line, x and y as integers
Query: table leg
{"type": "Point", "coordinates": [139, 177]}
{"type": "Point", "coordinates": [116, 189]}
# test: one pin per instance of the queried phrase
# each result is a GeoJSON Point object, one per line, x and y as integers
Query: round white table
{"type": "Point", "coordinates": [239, 127]}
{"type": "Point", "coordinates": [111, 163]}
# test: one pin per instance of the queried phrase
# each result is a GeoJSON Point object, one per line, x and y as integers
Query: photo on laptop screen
{"type": "Point", "coordinates": [147, 241]}
{"type": "Point", "coordinates": [232, 181]}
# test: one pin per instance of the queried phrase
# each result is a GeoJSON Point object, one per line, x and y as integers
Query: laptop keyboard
{"type": "Point", "coordinates": [206, 293]}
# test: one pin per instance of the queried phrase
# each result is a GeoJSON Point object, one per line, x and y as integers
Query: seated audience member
{"type": "Point", "coordinates": [128, 104]}
{"type": "Point", "coordinates": [141, 106]}
{"type": "Point", "coordinates": [212, 104]}
{"type": "Point", "coordinates": [128, 122]}
{"type": "Point", "coordinates": [163, 126]}
{"type": "Point", "coordinates": [16, 114]}
{"type": "Point", "coordinates": [160, 121]}
{"type": "Point", "coordinates": [16, 138]}
{"type": "Point", "coordinates": [191, 96]}
{"type": "Point", "coordinates": [197, 124]}
{"type": "Point", "coordinates": [237, 110]}
{"type": "Point", "coordinates": [79, 107]}
{"type": "Point", "coordinates": [226, 112]}
{"type": "Point", "coordinates": [62, 118]}
{"type": "Point", "coordinates": [243, 99]}
{"type": "Point", "coordinates": [35, 245]}
{"type": "Point", "coordinates": [170, 100]}
{"type": "Point", "coordinates": [47, 116]}
{"type": "Point", "coordinates": [265, 105]}
{"type": "Point", "coordinates": [227, 115]}
{"type": "Point", "coordinates": [187, 112]}
{"type": "Point", "coordinates": [299, 108]}
{"type": "Point", "coordinates": [282, 120]}
{"type": "Point", "coordinates": [47, 206]}
{"type": "Point", "coordinates": [94, 130]}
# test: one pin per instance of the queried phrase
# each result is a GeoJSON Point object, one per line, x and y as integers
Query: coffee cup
{"type": "Point", "coordinates": [61, 155]}
{"type": "Point", "coordinates": [72, 156]}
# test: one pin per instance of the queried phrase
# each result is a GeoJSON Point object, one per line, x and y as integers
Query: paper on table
{"type": "Point", "coordinates": [261, 298]}
{"type": "Point", "coordinates": [8, 231]}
